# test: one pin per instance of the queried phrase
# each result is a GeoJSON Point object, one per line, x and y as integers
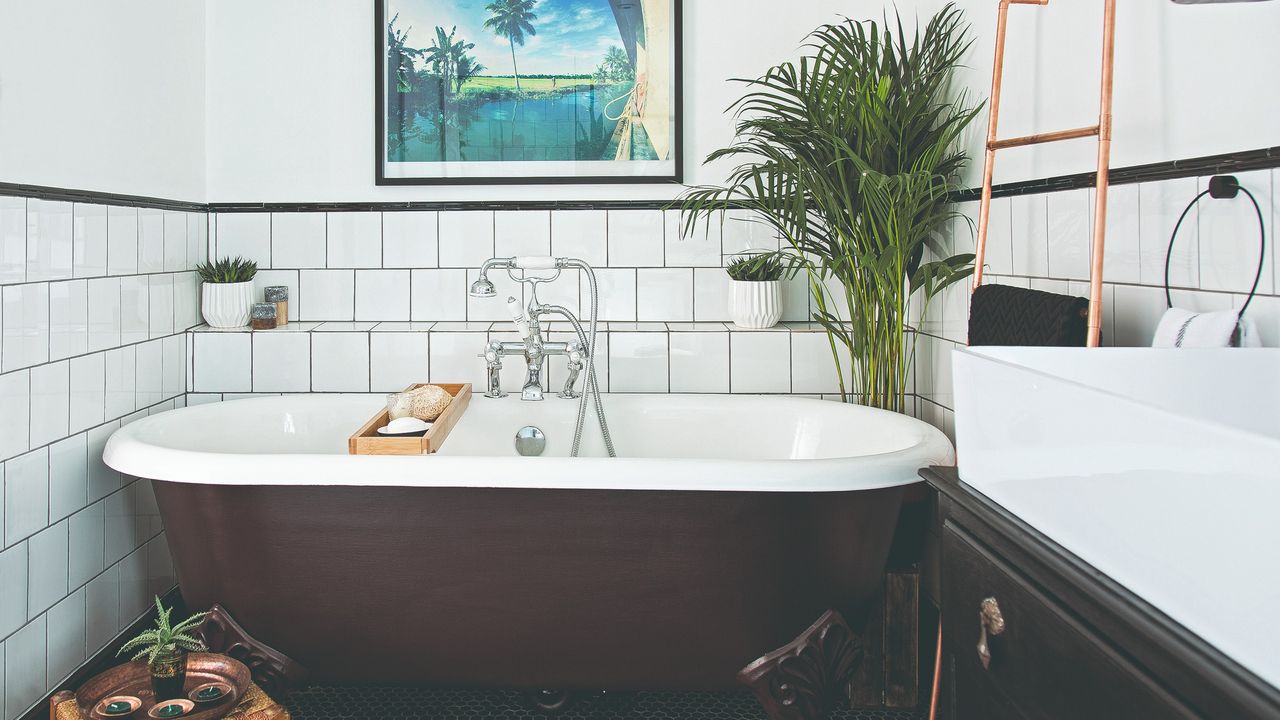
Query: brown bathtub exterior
{"type": "Point", "coordinates": [527, 588]}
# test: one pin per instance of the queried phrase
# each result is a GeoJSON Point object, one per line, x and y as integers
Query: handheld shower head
{"type": "Point", "coordinates": [482, 287]}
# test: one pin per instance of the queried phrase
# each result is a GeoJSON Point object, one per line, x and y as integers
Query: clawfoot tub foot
{"type": "Point", "coordinates": [272, 670]}
{"type": "Point", "coordinates": [806, 678]}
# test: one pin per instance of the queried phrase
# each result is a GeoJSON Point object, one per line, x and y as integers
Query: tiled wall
{"type": "Point", "coordinates": [94, 302]}
{"type": "Point", "coordinates": [1043, 242]}
{"type": "Point", "coordinates": [380, 300]}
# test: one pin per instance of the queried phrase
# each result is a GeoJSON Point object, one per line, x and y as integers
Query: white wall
{"type": "Point", "coordinates": [105, 96]}
{"type": "Point", "coordinates": [291, 96]}
{"type": "Point", "coordinates": [1190, 80]}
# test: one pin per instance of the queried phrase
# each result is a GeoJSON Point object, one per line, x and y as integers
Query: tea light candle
{"type": "Point", "coordinates": [263, 316]}
{"type": "Point", "coordinates": [171, 709]}
{"type": "Point", "coordinates": [278, 294]}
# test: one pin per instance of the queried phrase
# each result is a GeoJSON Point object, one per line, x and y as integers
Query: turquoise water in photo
{"type": "Point", "coordinates": [568, 126]}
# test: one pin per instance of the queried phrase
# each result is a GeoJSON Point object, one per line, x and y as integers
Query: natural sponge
{"type": "Point", "coordinates": [425, 403]}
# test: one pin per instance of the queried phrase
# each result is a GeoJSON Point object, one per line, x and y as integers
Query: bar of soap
{"type": "Point", "coordinates": [424, 403]}
{"type": "Point", "coordinates": [405, 425]}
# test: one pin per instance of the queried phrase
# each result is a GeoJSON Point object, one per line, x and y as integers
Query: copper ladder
{"type": "Point", "coordinates": [1102, 131]}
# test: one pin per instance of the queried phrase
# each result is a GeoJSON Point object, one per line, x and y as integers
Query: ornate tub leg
{"type": "Point", "coordinates": [806, 678]}
{"type": "Point", "coordinates": [272, 670]}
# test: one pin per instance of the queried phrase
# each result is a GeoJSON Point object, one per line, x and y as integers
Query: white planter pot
{"type": "Point", "coordinates": [755, 305]}
{"type": "Point", "coordinates": [226, 305]}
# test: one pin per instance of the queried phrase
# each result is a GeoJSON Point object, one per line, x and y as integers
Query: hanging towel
{"type": "Point", "coordinates": [1014, 316]}
{"type": "Point", "coordinates": [1185, 329]}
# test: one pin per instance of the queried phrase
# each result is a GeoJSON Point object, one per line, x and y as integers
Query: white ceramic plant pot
{"type": "Point", "coordinates": [226, 305]}
{"type": "Point", "coordinates": [755, 305]}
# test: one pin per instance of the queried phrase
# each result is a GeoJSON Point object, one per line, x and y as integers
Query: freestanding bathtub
{"type": "Point", "coordinates": [727, 525]}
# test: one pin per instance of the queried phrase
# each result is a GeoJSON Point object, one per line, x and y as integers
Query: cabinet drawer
{"type": "Point", "coordinates": [1044, 664]}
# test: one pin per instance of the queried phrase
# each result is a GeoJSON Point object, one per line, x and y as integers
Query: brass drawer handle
{"type": "Point", "coordinates": [990, 623]}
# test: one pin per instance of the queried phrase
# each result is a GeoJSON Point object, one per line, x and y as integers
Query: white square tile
{"type": "Point", "coordinates": [743, 232]}
{"type": "Point", "coordinates": [565, 291]}
{"type": "Point", "coordinates": [455, 358]}
{"type": "Point", "coordinates": [327, 295]}
{"type": "Point", "coordinates": [68, 476]}
{"type": "Point", "coordinates": [1229, 237]}
{"type": "Point", "coordinates": [160, 575]}
{"type": "Point", "coordinates": [175, 241]}
{"type": "Point", "coordinates": [68, 318]}
{"type": "Point", "coordinates": [795, 299]}
{"type": "Point", "coordinates": [173, 366]}
{"type": "Point", "coordinates": [223, 362]}
{"type": "Point", "coordinates": [355, 240]}
{"type": "Point", "coordinates": [636, 238]}
{"type": "Point", "coordinates": [25, 325]}
{"type": "Point", "coordinates": [1123, 256]}
{"type": "Point", "coordinates": [150, 240]}
{"type": "Point", "coordinates": [120, 529]}
{"type": "Point", "coordinates": [13, 240]}
{"type": "Point", "coordinates": [298, 240]}
{"type": "Point", "coordinates": [761, 362]}
{"type": "Point", "coordinates": [398, 360]}
{"type": "Point", "coordinates": [638, 362]}
{"type": "Point", "coordinates": [340, 362]}
{"type": "Point", "coordinates": [466, 238]}
{"type": "Point", "coordinates": [50, 402]}
{"type": "Point", "coordinates": [119, 391]}
{"type": "Point", "coordinates": [197, 239]}
{"type": "Point", "coordinates": [710, 295]}
{"type": "Point", "coordinates": [617, 294]}
{"type": "Point", "coordinates": [66, 641]}
{"type": "Point", "coordinates": [664, 295]}
{"type": "Point", "coordinates": [813, 367]}
{"type": "Point", "coordinates": [24, 680]}
{"type": "Point", "coordinates": [581, 234]}
{"type": "Point", "coordinates": [186, 301]}
{"type": "Point", "coordinates": [104, 313]}
{"type": "Point", "coordinates": [1160, 205]}
{"type": "Point", "coordinates": [700, 362]}
{"type": "Point", "coordinates": [439, 295]}
{"type": "Point", "coordinates": [102, 609]}
{"type": "Point", "coordinates": [522, 233]}
{"type": "Point", "coordinates": [281, 362]}
{"type": "Point", "coordinates": [701, 248]}
{"type": "Point", "coordinates": [88, 391]}
{"type": "Point", "coordinates": [15, 413]}
{"type": "Point", "coordinates": [102, 479]}
{"type": "Point", "coordinates": [382, 295]}
{"type": "Point", "coordinates": [246, 235]}
{"type": "Point", "coordinates": [26, 495]}
{"type": "Point", "coordinates": [134, 600]}
{"type": "Point", "coordinates": [135, 308]}
{"type": "Point", "coordinates": [148, 374]}
{"type": "Point", "coordinates": [89, 240]}
{"type": "Point", "coordinates": [13, 589]}
{"type": "Point", "coordinates": [160, 304]}
{"type": "Point", "coordinates": [410, 239]}
{"type": "Point", "coordinates": [47, 572]}
{"type": "Point", "coordinates": [1138, 311]}
{"type": "Point", "coordinates": [49, 232]}
{"type": "Point", "coordinates": [1070, 223]}
{"type": "Point", "coordinates": [122, 240]}
{"type": "Point", "coordinates": [493, 308]}
{"type": "Point", "coordinates": [999, 260]}
{"type": "Point", "coordinates": [1030, 231]}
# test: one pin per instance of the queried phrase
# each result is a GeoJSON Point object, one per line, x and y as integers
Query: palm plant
{"type": "Point", "coordinates": [512, 19]}
{"type": "Point", "coordinates": [165, 636]}
{"type": "Point", "coordinates": [465, 67]}
{"type": "Point", "coordinates": [850, 157]}
{"type": "Point", "coordinates": [400, 56]}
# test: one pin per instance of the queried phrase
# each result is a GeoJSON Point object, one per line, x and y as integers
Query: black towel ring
{"type": "Point", "coordinates": [1223, 187]}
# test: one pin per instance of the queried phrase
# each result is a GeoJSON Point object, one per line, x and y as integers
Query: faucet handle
{"type": "Point", "coordinates": [520, 319]}
{"type": "Point", "coordinates": [534, 262]}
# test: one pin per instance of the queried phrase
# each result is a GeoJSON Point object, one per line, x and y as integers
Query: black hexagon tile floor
{"type": "Point", "coordinates": [397, 703]}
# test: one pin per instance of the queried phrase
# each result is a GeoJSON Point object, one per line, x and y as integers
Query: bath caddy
{"type": "Point", "coordinates": [134, 680]}
{"type": "Point", "coordinates": [367, 441]}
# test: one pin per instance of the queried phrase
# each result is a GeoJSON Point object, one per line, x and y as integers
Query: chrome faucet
{"type": "Point", "coordinates": [533, 346]}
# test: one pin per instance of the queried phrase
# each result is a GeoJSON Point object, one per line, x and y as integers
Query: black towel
{"type": "Point", "coordinates": [1013, 316]}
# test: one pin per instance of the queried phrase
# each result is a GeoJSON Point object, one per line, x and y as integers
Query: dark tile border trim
{"type": "Point", "coordinates": [43, 192]}
{"type": "Point", "coordinates": [1236, 162]}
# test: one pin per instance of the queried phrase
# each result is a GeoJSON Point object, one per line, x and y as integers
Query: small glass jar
{"type": "Point", "coordinates": [169, 673]}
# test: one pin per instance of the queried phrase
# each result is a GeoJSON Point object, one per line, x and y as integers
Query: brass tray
{"type": "Point", "coordinates": [134, 679]}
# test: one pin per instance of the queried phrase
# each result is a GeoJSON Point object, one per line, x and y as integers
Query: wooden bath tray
{"type": "Point", "coordinates": [134, 679]}
{"type": "Point", "coordinates": [367, 441]}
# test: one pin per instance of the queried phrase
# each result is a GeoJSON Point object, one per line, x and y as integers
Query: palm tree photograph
{"type": "Point", "coordinates": [528, 90]}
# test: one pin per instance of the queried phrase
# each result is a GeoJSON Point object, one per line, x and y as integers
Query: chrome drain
{"type": "Point", "coordinates": [530, 441]}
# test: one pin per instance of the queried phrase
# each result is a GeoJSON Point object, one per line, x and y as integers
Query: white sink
{"type": "Point", "coordinates": [1160, 468]}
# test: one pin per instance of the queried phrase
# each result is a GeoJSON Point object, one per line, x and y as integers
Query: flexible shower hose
{"type": "Point", "coordinates": [590, 387]}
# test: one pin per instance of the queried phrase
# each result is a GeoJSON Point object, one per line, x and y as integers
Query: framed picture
{"type": "Point", "coordinates": [528, 91]}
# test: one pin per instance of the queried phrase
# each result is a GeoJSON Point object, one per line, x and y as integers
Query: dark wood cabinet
{"type": "Point", "coordinates": [1063, 641]}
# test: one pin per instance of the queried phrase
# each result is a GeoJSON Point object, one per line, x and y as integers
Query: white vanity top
{"type": "Point", "coordinates": [1159, 468]}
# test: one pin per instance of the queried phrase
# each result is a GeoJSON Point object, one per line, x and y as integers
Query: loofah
{"type": "Point", "coordinates": [425, 403]}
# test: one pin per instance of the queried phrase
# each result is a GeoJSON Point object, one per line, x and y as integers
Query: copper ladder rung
{"type": "Point", "coordinates": [1042, 138]}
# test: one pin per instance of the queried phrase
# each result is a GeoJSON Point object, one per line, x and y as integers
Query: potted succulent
{"type": "Point", "coordinates": [165, 648]}
{"type": "Point", "coordinates": [755, 289]}
{"type": "Point", "coordinates": [227, 295]}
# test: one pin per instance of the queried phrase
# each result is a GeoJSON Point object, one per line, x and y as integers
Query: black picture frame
{"type": "Point", "coordinates": [380, 139]}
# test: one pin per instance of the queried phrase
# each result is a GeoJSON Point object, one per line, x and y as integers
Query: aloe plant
{"type": "Point", "coordinates": [850, 156]}
{"type": "Point", "coordinates": [758, 267]}
{"type": "Point", "coordinates": [227, 270]}
{"type": "Point", "coordinates": [165, 636]}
